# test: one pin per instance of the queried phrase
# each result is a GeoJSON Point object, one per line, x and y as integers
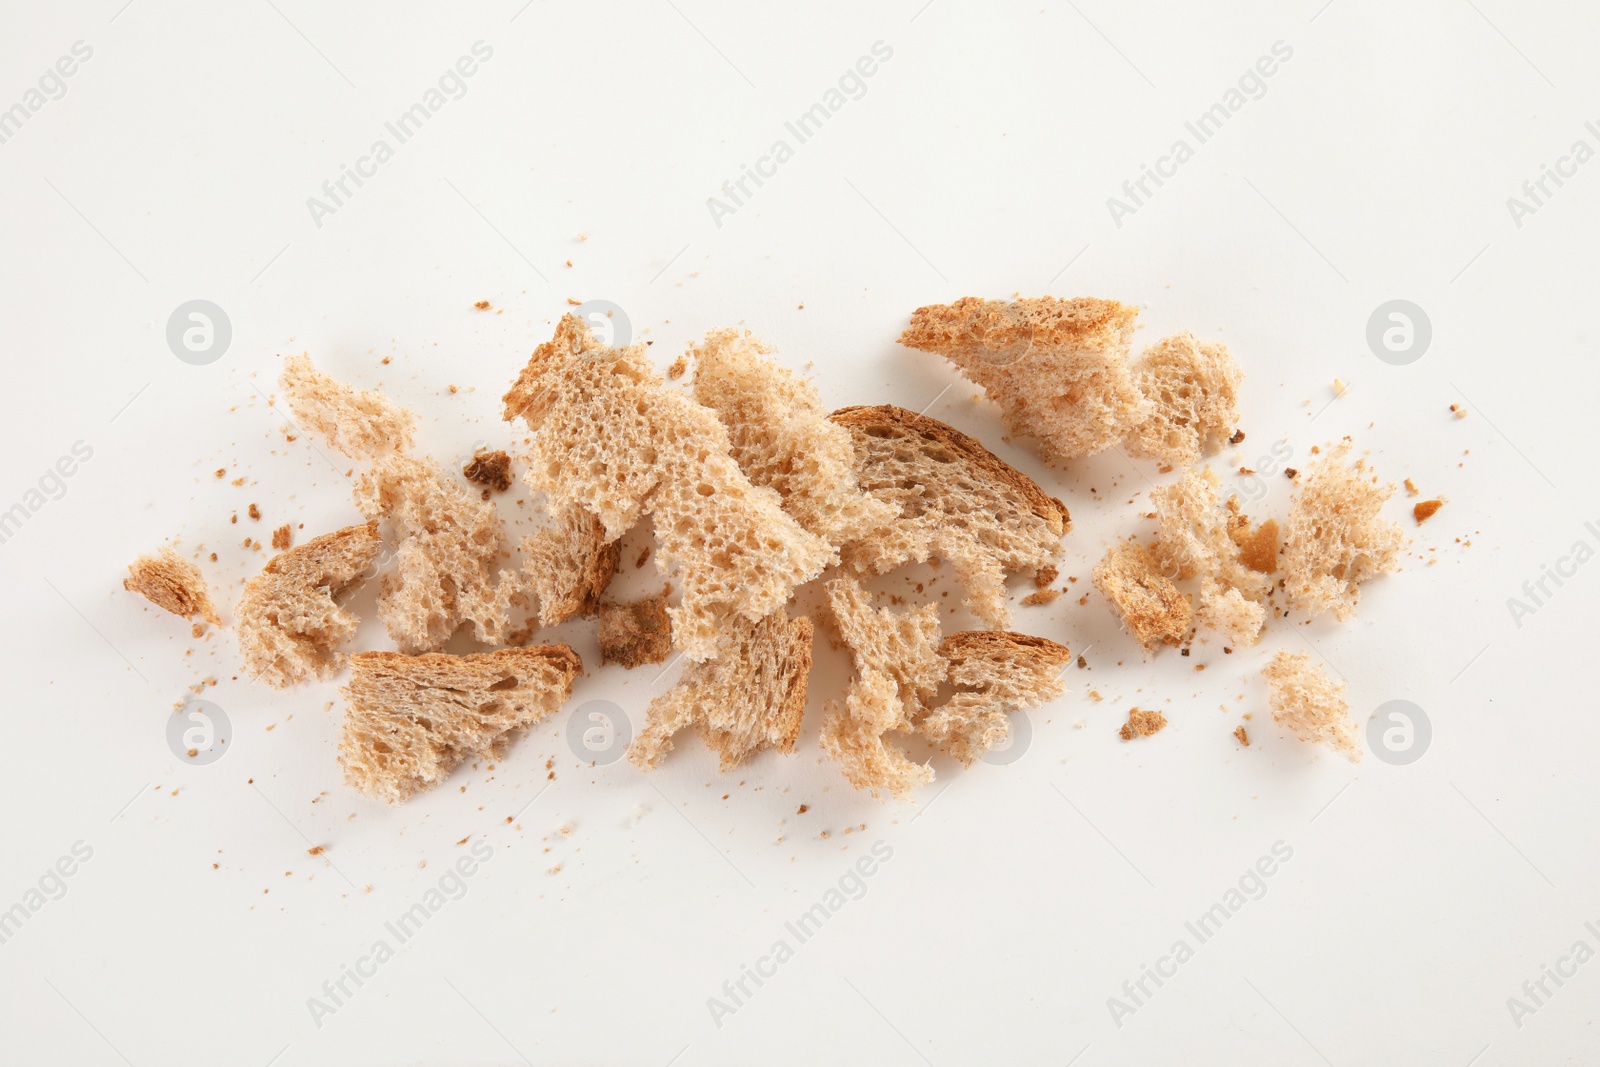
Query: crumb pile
{"type": "Point", "coordinates": [753, 489]}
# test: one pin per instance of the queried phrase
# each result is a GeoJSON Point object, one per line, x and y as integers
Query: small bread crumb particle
{"type": "Point", "coordinates": [1424, 509]}
{"type": "Point", "coordinates": [1142, 724]}
{"type": "Point", "coordinates": [679, 366]}
{"type": "Point", "coordinates": [1244, 738]}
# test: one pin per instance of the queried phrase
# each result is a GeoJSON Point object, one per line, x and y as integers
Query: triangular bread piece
{"type": "Point", "coordinates": [995, 673]}
{"type": "Point", "coordinates": [413, 719]}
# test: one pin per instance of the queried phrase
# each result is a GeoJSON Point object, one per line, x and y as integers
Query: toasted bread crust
{"type": "Point", "coordinates": [173, 584]}
{"type": "Point", "coordinates": [994, 326]}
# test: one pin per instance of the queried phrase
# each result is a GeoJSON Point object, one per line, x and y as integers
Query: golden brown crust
{"type": "Point", "coordinates": [994, 326]}
{"type": "Point", "coordinates": [988, 643]}
{"type": "Point", "coordinates": [1151, 606]}
{"type": "Point", "coordinates": [867, 418]}
{"type": "Point", "coordinates": [1259, 551]}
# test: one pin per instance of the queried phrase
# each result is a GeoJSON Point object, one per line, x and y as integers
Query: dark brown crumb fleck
{"type": "Point", "coordinates": [644, 554]}
{"type": "Point", "coordinates": [1237, 438]}
{"type": "Point", "coordinates": [803, 809]}
{"type": "Point", "coordinates": [1045, 575]}
{"type": "Point", "coordinates": [1141, 724]}
{"type": "Point", "coordinates": [1082, 663]}
{"type": "Point", "coordinates": [254, 512]}
{"type": "Point", "coordinates": [1290, 472]}
{"type": "Point", "coordinates": [492, 470]}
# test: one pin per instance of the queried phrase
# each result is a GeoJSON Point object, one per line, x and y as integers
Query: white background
{"type": "Point", "coordinates": [1376, 166]}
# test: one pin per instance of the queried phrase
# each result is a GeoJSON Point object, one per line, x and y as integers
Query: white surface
{"type": "Point", "coordinates": [979, 160]}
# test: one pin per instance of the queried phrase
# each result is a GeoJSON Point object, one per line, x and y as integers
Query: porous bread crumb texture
{"type": "Point", "coordinates": [288, 620]}
{"type": "Point", "coordinates": [635, 633]}
{"type": "Point", "coordinates": [173, 584]}
{"type": "Point", "coordinates": [782, 437]}
{"type": "Point", "coordinates": [1335, 537]}
{"type": "Point", "coordinates": [1310, 704]}
{"type": "Point", "coordinates": [490, 469]}
{"type": "Point", "coordinates": [750, 697]}
{"type": "Point", "coordinates": [898, 669]}
{"type": "Point", "coordinates": [1198, 537]}
{"type": "Point", "coordinates": [448, 543]}
{"type": "Point", "coordinates": [283, 537]}
{"type": "Point", "coordinates": [1142, 724]}
{"type": "Point", "coordinates": [1226, 611]}
{"type": "Point", "coordinates": [1057, 368]}
{"type": "Point", "coordinates": [412, 719]}
{"type": "Point", "coordinates": [957, 501]}
{"type": "Point", "coordinates": [995, 674]}
{"type": "Point", "coordinates": [568, 563]}
{"type": "Point", "coordinates": [1151, 606]}
{"type": "Point", "coordinates": [610, 438]}
{"type": "Point", "coordinates": [1192, 389]}
{"type": "Point", "coordinates": [360, 424]}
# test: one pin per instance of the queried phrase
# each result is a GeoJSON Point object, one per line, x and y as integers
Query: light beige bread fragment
{"type": "Point", "coordinates": [610, 438]}
{"type": "Point", "coordinates": [957, 501]}
{"type": "Point", "coordinates": [995, 673]}
{"type": "Point", "coordinates": [361, 424]}
{"type": "Point", "coordinates": [1335, 537]}
{"type": "Point", "coordinates": [1310, 704]}
{"type": "Point", "coordinates": [1150, 605]}
{"type": "Point", "coordinates": [412, 719]}
{"type": "Point", "coordinates": [448, 547]}
{"type": "Point", "coordinates": [1196, 536]}
{"type": "Point", "coordinates": [288, 620]}
{"type": "Point", "coordinates": [1192, 390]}
{"type": "Point", "coordinates": [750, 697]}
{"type": "Point", "coordinates": [173, 584]}
{"type": "Point", "coordinates": [782, 438]}
{"type": "Point", "coordinates": [568, 563]}
{"type": "Point", "coordinates": [898, 670]}
{"type": "Point", "coordinates": [1057, 368]}
{"type": "Point", "coordinates": [636, 633]}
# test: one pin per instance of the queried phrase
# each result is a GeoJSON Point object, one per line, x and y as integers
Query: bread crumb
{"type": "Point", "coordinates": [679, 366]}
{"type": "Point", "coordinates": [172, 583]}
{"type": "Point", "coordinates": [1423, 510]}
{"type": "Point", "coordinates": [1458, 411]}
{"type": "Point", "coordinates": [316, 850]}
{"type": "Point", "coordinates": [1043, 596]}
{"type": "Point", "coordinates": [1244, 738]}
{"type": "Point", "coordinates": [490, 469]}
{"type": "Point", "coordinates": [254, 512]}
{"type": "Point", "coordinates": [1045, 575]}
{"type": "Point", "coordinates": [1142, 724]}
{"type": "Point", "coordinates": [282, 537]}
{"type": "Point", "coordinates": [636, 633]}
{"type": "Point", "coordinates": [644, 556]}
{"type": "Point", "coordinates": [1411, 489]}
{"type": "Point", "coordinates": [482, 305]}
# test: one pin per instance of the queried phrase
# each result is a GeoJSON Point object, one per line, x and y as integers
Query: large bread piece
{"type": "Point", "coordinates": [750, 697]}
{"type": "Point", "coordinates": [1192, 389]}
{"type": "Point", "coordinates": [898, 670]}
{"type": "Point", "coordinates": [361, 424]}
{"type": "Point", "coordinates": [1335, 537]}
{"type": "Point", "coordinates": [172, 583]}
{"type": "Point", "coordinates": [568, 563]}
{"type": "Point", "coordinates": [1311, 704]}
{"type": "Point", "coordinates": [449, 545]}
{"type": "Point", "coordinates": [288, 620]}
{"type": "Point", "coordinates": [610, 439]}
{"type": "Point", "coordinates": [957, 500]}
{"type": "Point", "coordinates": [782, 438]}
{"type": "Point", "coordinates": [995, 673]}
{"type": "Point", "coordinates": [1057, 368]}
{"type": "Point", "coordinates": [413, 719]}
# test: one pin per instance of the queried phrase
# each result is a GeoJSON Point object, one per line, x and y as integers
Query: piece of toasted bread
{"type": "Point", "coordinates": [1197, 537]}
{"type": "Point", "coordinates": [1142, 723]}
{"type": "Point", "coordinates": [898, 669]}
{"type": "Point", "coordinates": [1192, 389]}
{"type": "Point", "coordinates": [412, 719]}
{"type": "Point", "coordinates": [957, 500]}
{"type": "Point", "coordinates": [173, 584]}
{"type": "Point", "coordinates": [1153, 609]}
{"type": "Point", "coordinates": [636, 633]}
{"type": "Point", "coordinates": [1057, 368]}
{"type": "Point", "coordinates": [1311, 704]}
{"type": "Point", "coordinates": [1227, 612]}
{"type": "Point", "coordinates": [609, 437]}
{"type": "Point", "coordinates": [782, 437]}
{"type": "Point", "coordinates": [449, 543]}
{"type": "Point", "coordinates": [1335, 537]}
{"type": "Point", "coordinates": [288, 619]}
{"type": "Point", "coordinates": [750, 697]}
{"type": "Point", "coordinates": [995, 673]}
{"type": "Point", "coordinates": [360, 424]}
{"type": "Point", "coordinates": [568, 563]}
